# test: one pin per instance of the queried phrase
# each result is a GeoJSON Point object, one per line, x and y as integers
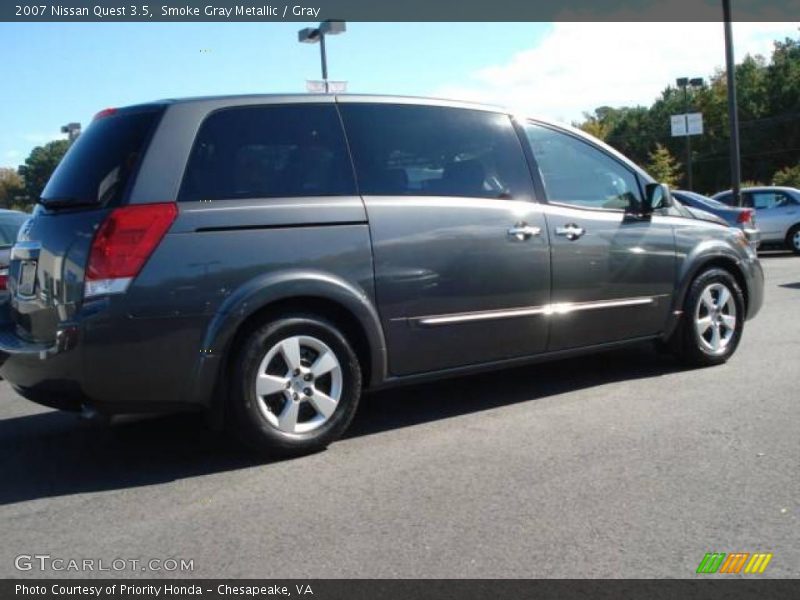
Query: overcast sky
{"type": "Point", "coordinates": [56, 73]}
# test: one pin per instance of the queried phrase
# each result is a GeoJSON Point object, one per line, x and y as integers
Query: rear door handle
{"type": "Point", "coordinates": [571, 231]}
{"type": "Point", "coordinates": [523, 231]}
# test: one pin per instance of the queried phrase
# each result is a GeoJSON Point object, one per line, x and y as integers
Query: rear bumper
{"type": "Point", "coordinates": [103, 360]}
{"type": "Point", "coordinates": [43, 373]}
{"type": "Point", "coordinates": [13, 345]}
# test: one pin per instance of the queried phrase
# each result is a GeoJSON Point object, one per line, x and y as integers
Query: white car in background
{"type": "Point", "coordinates": [777, 213]}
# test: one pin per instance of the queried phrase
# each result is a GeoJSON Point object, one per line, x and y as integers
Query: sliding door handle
{"type": "Point", "coordinates": [571, 231]}
{"type": "Point", "coordinates": [523, 231]}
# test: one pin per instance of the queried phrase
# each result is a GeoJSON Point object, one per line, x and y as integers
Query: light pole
{"type": "Point", "coordinates": [685, 83]}
{"type": "Point", "coordinates": [310, 35]}
{"type": "Point", "coordinates": [73, 130]}
{"type": "Point", "coordinates": [733, 116]}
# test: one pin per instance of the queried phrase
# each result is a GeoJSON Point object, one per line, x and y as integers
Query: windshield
{"type": "Point", "coordinates": [98, 166]}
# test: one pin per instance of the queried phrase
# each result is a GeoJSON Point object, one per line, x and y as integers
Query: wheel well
{"type": "Point", "coordinates": [731, 267]}
{"type": "Point", "coordinates": [334, 312]}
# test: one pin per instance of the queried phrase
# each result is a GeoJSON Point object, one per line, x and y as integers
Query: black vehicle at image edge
{"type": "Point", "coordinates": [268, 258]}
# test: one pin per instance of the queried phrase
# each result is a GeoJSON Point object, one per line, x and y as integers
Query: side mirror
{"type": "Point", "coordinates": [657, 195]}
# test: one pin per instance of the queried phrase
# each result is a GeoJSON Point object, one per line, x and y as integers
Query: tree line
{"type": "Point", "coordinates": [768, 101]}
{"type": "Point", "coordinates": [21, 187]}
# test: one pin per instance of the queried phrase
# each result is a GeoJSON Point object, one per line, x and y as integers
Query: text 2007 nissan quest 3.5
{"type": "Point", "coordinates": [268, 258]}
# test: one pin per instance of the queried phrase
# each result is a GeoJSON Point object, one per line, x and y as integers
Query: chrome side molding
{"type": "Point", "coordinates": [559, 308]}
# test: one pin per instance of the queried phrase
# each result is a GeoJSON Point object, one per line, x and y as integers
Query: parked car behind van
{"type": "Point", "coordinates": [10, 222]}
{"type": "Point", "coordinates": [735, 216]}
{"type": "Point", "coordinates": [778, 213]}
{"type": "Point", "coordinates": [268, 258]}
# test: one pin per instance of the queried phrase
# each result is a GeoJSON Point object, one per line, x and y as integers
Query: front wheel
{"type": "Point", "coordinates": [712, 320]}
{"type": "Point", "coordinates": [295, 386]}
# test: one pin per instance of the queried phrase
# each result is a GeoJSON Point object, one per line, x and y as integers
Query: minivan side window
{"type": "Point", "coordinates": [576, 173]}
{"type": "Point", "coordinates": [408, 150]}
{"type": "Point", "coordinates": [269, 152]}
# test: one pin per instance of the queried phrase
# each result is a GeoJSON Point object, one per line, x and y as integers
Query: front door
{"type": "Point", "coordinates": [613, 274]}
{"type": "Point", "coordinates": [461, 256]}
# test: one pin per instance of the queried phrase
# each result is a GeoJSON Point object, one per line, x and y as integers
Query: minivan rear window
{"type": "Point", "coordinates": [98, 166]}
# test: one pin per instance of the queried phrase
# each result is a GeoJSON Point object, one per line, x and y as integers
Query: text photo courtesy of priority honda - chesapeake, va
{"type": "Point", "coordinates": [369, 300]}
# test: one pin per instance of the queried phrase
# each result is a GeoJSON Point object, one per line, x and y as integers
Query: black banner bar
{"type": "Point", "coordinates": [394, 10]}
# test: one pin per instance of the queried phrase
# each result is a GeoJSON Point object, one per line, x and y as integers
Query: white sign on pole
{"type": "Point", "coordinates": [317, 86]}
{"type": "Point", "coordinates": [678, 123]}
{"type": "Point", "coordinates": [694, 122]}
{"type": "Point", "coordinates": [686, 124]}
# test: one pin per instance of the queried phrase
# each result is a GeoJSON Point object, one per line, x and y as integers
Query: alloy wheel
{"type": "Point", "coordinates": [298, 384]}
{"type": "Point", "coordinates": [715, 318]}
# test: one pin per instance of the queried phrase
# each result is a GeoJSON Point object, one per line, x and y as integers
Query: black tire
{"type": "Point", "coordinates": [793, 243]}
{"type": "Point", "coordinates": [686, 342]}
{"type": "Point", "coordinates": [249, 412]}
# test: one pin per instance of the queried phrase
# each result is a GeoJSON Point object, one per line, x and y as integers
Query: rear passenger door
{"type": "Point", "coordinates": [461, 255]}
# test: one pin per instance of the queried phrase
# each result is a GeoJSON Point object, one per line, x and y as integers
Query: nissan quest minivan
{"type": "Point", "coordinates": [268, 258]}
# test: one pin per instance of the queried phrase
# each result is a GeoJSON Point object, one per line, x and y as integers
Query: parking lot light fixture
{"type": "Point", "coordinates": [73, 130]}
{"type": "Point", "coordinates": [311, 35]}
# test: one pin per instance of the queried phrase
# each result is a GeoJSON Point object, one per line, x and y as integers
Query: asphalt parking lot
{"type": "Point", "coordinates": [618, 465]}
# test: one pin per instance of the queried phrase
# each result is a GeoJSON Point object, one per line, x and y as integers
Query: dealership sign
{"type": "Point", "coordinates": [687, 124]}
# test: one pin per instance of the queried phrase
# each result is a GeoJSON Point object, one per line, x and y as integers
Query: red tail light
{"type": "Point", "coordinates": [745, 216]}
{"type": "Point", "coordinates": [124, 242]}
{"type": "Point", "coordinates": [3, 279]}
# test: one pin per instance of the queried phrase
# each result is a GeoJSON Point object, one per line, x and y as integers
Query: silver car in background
{"type": "Point", "coordinates": [10, 222]}
{"type": "Point", "coordinates": [735, 216]}
{"type": "Point", "coordinates": [778, 212]}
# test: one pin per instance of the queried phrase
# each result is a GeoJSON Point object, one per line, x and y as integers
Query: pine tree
{"type": "Point", "coordinates": [663, 167]}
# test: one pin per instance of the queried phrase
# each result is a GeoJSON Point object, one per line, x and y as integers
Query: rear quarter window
{"type": "Point", "coordinates": [99, 166]}
{"type": "Point", "coordinates": [269, 152]}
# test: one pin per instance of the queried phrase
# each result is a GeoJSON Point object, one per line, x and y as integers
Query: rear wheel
{"type": "Point", "coordinates": [295, 386]}
{"type": "Point", "coordinates": [712, 320]}
{"type": "Point", "coordinates": [793, 239]}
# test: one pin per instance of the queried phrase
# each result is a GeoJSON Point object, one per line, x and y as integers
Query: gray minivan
{"type": "Point", "coordinates": [267, 258]}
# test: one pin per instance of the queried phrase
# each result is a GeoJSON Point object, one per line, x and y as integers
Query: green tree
{"type": "Point", "coordinates": [600, 123]}
{"type": "Point", "coordinates": [789, 176]}
{"type": "Point", "coordinates": [768, 93]}
{"type": "Point", "coordinates": [663, 167]}
{"type": "Point", "coordinates": [11, 187]}
{"type": "Point", "coordinates": [38, 167]}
